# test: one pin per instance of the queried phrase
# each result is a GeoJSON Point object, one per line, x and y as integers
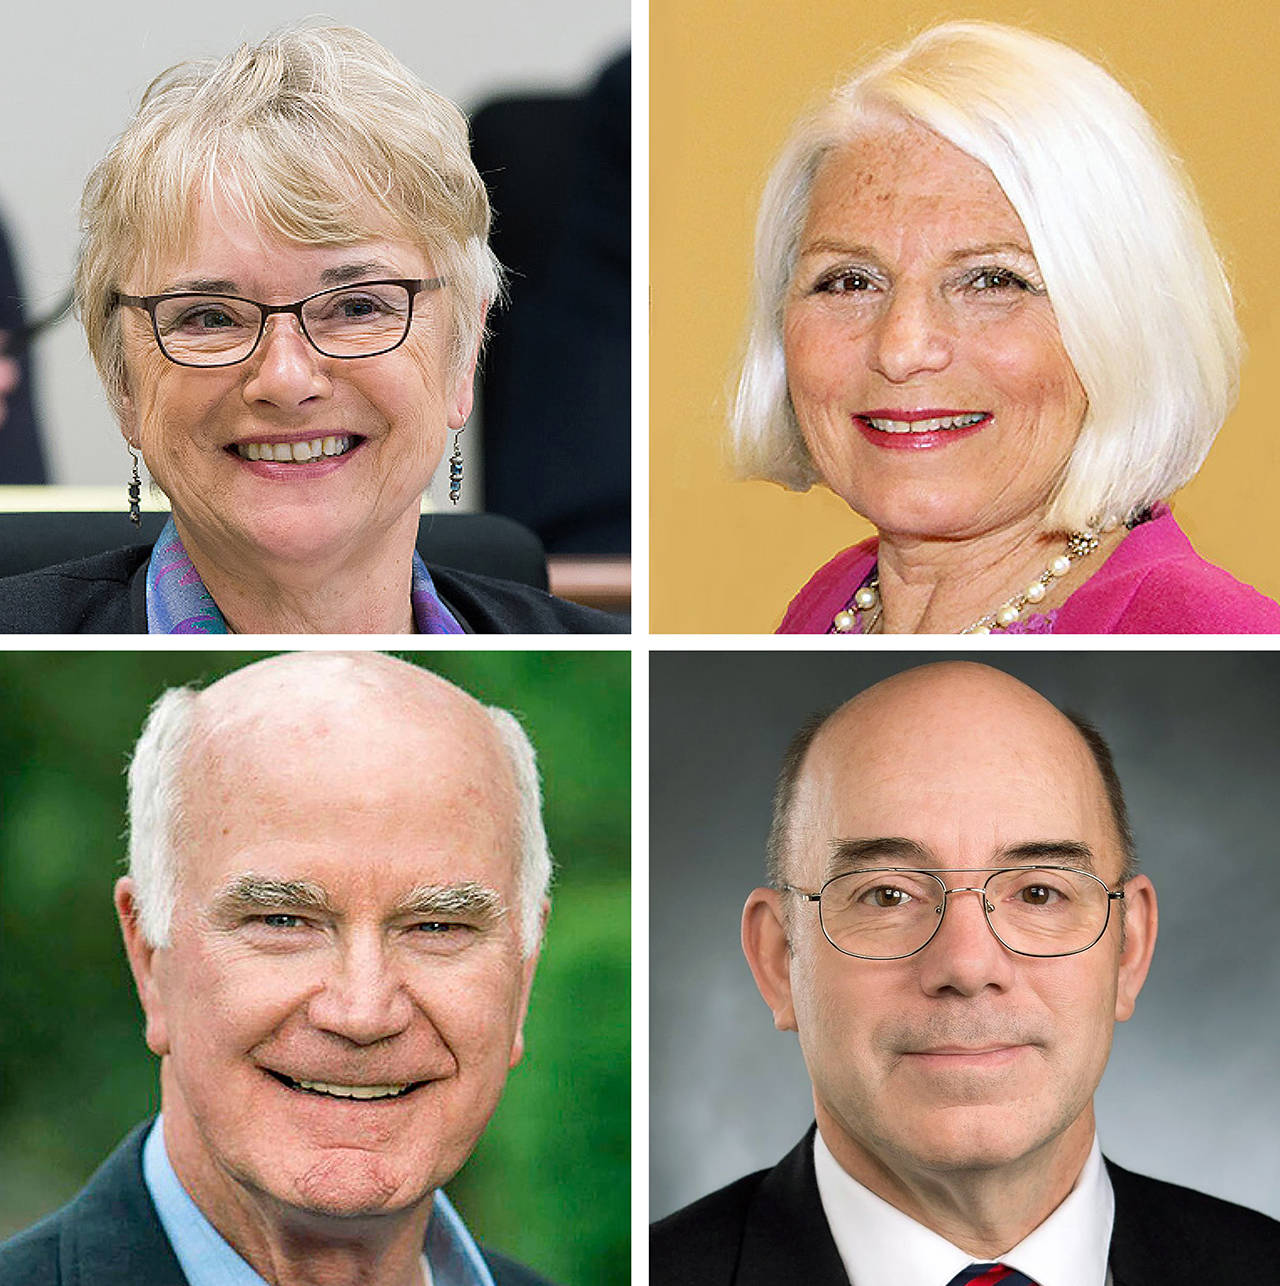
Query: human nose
{"type": "Point", "coordinates": [912, 336]}
{"type": "Point", "coordinates": [964, 956]}
{"type": "Point", "coordinates": [285, 370]}
{"type": "Point", "coordinates": [363, 999]}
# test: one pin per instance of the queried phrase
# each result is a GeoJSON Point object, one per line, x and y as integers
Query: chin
{"type": "Point", "coordinates": [973, 1138]}
{"type": "Point", "coordinates": [352, 1184]}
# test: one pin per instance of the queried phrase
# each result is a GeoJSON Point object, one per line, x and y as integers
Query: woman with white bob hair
{"type": "Point", "coordinates": [987, 314]}
{"type": "Point", "coordinates": [284, 281]}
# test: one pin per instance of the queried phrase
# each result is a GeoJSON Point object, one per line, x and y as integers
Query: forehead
{"type": "Point", "coordinates": [223, 242]}
{"type": "Point", "coordinates": [900, 175]}
{"type": "Point", "coordinates": [351, 796]}
{"type": "Point", "coordinates": [962, 787]}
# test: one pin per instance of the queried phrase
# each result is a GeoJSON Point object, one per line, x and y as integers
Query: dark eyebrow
{"type": "Point", "coordinates": [855, 854]}
{"type": "Point", "coordinates": [849, 854]}
{"type": "Point", "coordinates": [261, 892]}
{"type": "Point", "coordinates": [1066, 852]}
{"type": "Point", "coordinates": [466, 898]}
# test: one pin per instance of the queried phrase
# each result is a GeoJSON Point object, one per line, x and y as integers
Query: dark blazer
{"type": "Point", "coordinates": [110, 1235]}
{"type": "Point", "coordinates": [107, 594]}
{"type": "Point", "coordinates": [770, 1227]}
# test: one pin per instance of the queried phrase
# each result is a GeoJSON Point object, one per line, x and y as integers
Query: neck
{"type": "Point", "coordinates": [985, 1211]}
{"type": "Point", "coordinates": [288, 1247]}
{"type": "Point", "coordinates": [349, 592]}
{"type": "Point", "coordinates": [931, 586]}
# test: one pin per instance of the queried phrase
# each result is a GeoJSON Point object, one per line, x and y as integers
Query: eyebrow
{"type": "Point", "coordinates": [259, 893]}
{"type": "Point", "coordinates": [861, 854]}
{"type": "Point", "coordinates": [827, 245]}
{"type": "Point", "coordinates": [466, 898]}
{"type": "Point", "coordinates": [341, 275]}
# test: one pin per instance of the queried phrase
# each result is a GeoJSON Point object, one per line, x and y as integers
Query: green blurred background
{"type": "Point", "coordinates": [550, 1182]}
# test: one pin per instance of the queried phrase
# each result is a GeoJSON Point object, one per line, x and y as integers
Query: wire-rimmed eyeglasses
{"type": "Point", "coordinates": [892, 912]}
{"type": "Point", "coordinates": [365, 319]}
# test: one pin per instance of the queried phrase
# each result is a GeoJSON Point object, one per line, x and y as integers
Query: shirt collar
{"type": "Point", "coordinates": [881, 1246]}
{"type": "Point", "coordinates": [207, 1259]}
{"type": "Point", "coordinates": [179, 603]}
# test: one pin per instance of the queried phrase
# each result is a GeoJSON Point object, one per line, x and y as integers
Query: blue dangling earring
{"type": "Point", "coordinates": [455, 470]}
{"type": "Point", "coordinates": [135, 491]}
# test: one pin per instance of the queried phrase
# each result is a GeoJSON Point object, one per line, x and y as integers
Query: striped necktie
{"type": "Point", "coordinates": [990, 1275]}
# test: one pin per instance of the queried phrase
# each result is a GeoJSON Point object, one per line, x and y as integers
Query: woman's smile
{"type": "Point", "coordinates": [924, 361]}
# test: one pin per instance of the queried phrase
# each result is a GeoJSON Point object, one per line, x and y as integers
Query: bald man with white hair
{"type": "Point", "coordinates": [954, 923]}
{"type": "Point", "coordinates": [336, 893]}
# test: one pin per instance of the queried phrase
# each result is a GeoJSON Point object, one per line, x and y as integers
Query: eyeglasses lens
{"type": "Point", "coordinates": [214, 330]}
{"type": "Point", "coordinates": [881, 915]}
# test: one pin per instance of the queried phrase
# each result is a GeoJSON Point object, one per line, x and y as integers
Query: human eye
{"type": "Point", "coordinates": [281, 920]}
{"type": "Point", "coordinates": [886, 896]}
{"type": "Point", "coordinates": [995, 281]}
{"type": "Point", "coordinates": [1035, 890]}
{"type": "Point", "coordinates": [200, 316]}
{"type": "Point", "coordinates": [362, 303]}
{"type": "Point", "coordinates": [844, 281]}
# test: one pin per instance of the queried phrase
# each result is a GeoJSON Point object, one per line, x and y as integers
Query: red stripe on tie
{"type": "Point", "coordinates": [991, 1276]}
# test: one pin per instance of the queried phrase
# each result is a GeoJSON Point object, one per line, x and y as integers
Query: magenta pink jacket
{"type": "Point", "coordinates": [1153, 583]}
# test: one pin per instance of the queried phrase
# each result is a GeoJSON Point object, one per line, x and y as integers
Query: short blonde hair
{"type": "Point", "coordinates": [319, 136]}
{"type": "Point", "coordinates": [1142, 300]}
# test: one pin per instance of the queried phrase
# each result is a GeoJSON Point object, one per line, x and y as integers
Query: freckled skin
{"type": "Point", "coordinates": [899, 204]}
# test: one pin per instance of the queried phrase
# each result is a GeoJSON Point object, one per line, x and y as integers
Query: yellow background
{"type": "Point", "coordinates": [728, 79]}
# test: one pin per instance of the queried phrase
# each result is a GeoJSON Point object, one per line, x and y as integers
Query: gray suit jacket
{"type": "Point", "coordinates": [110, 1235]}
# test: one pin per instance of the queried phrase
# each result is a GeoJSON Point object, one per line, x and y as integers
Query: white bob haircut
{"type": "Point", "coordinates": [156, 790]}
{"type": "Point", "coordinates": [1141, 297]}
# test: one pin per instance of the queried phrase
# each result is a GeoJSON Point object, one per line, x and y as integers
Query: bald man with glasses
{"type": "Point", "coordinates": [953, 925]}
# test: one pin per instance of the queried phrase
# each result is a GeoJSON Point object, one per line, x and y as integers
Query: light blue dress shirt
{"type": "Point", "coordinates": [208, 1260]}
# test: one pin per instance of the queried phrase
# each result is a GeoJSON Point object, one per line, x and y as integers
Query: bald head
{"type": "Point", "coordinates": [931, 735]}
{"type": "Point", "coordinates": [291, 725]}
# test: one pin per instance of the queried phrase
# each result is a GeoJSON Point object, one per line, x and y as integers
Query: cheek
{"type": "Point", "coordinates": [1030, 369]}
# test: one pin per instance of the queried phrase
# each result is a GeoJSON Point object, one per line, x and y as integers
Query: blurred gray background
{"type": "Point", "coordinates": [72, 74]}
{"type": "Point", "coordinates": [1190, 1093]}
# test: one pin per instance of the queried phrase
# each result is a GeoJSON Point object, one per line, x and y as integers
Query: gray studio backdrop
{"type": "Point", "coordinates": [71, 75]}
{"type": "Point", "coordinates": [1190, 1094]}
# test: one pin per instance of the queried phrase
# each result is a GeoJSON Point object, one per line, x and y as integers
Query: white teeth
{"type": "Point", "coordinates": [927, 426]}
{"type": "Point", "coordinates": [354, 1091]}
{"type": "Point", "coordinates": [295, 452]}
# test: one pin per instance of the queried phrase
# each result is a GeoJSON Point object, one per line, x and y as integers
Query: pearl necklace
{"type": "Point", "coordinates": [867, 599]}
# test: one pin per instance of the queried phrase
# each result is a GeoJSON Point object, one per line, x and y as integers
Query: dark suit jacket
{"type": "Point", "coordinates": [770, 1228]}
{"type": "Point", "coordinates": [110, 1235]}
{"type": "Point", "coordinates": [107, 594]}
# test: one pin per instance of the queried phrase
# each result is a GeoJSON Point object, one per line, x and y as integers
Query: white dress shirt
{"type": "Point", "coordinates": [881, 1246]}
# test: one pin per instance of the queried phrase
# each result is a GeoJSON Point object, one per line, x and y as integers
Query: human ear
{"type": "Point", "coordinates": [1140, 924]}
{"type": "Point", "coordinates": [527, 968]}
{"type": "Point", "coordinates": [768, 952]}
{"type": "Point", "coordinates": [142, 963]}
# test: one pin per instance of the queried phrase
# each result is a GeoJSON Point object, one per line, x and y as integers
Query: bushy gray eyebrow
{"type": "Point", "coordinates": [466, 898]}
{"type": "Point", "coordinates": [250, 892]}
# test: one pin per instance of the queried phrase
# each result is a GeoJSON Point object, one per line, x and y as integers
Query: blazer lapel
{"type": "Point", "coordinates": [787, 1238]}
{"type": "Point", "coordinates": [111, 1234]}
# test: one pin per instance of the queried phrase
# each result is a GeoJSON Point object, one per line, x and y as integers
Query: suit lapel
{"type": "Point", "coordinates": [787, 1238]}
{"type": "Point", "coordinates": [110, 1234]}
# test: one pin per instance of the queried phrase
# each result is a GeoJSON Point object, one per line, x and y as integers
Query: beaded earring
{"type": "Point", "coordinates": [455, 470]}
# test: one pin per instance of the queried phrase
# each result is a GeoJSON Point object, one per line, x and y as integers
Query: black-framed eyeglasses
{"type": "Point", "coordinates": [892, 912]}
{"type": "Point", "coordinates": [360, 320]}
